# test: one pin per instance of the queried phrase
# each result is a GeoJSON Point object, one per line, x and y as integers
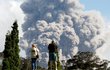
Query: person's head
{"type": "Point", "coordinates": [52, 41]}
{"type": "Point", "coordinates": [33, 46]}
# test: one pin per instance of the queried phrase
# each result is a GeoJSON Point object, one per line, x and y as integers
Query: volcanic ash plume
{"type": "Point", "coordinates": [63, 21]}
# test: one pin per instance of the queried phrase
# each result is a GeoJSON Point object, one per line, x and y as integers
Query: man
{"type": "Point", "coordinates": [52, 47]}
{"type": "Point", "coordinates": [34, 56]}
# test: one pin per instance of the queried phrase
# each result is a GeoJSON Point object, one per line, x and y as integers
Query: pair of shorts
{"type": "Point", "coordinates": [52, 56]}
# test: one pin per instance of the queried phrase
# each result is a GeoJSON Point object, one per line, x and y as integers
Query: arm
{"type": "Point", "coordinates": [37, 50]}
{"type": "Point", "coordinates": [37, 53]}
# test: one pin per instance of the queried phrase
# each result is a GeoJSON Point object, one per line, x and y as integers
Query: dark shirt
{"type": "Point", "coordinates": [52, 48]}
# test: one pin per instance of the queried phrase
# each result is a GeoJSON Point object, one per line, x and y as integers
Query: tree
{"type": "Point", "coordinates": [11, 52]}
{"type": "Point", "coordinates": [86, 61]}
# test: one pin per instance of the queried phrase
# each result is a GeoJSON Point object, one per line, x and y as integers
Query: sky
{"type": "Point", "coordinates": [10, 11]}
{"type": "Point", "coordinates": [100, 5]}
{"type": "Point", "coordinates": [103, 7]}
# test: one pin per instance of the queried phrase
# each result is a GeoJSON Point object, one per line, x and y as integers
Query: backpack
{"type": "Point", "coordinates": [37, 56]}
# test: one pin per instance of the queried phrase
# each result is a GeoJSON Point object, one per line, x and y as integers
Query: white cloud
{"type": "Point", "coordinates": [104, 51]}
{"type": "Point", "coordinates": [64, 21]}
{"type": "Point", "coordinates": [10, 11]}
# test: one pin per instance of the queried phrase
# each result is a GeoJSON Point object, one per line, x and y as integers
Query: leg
{"type": "Point", "coordinates": [55, 65]}
{"type": "Point", "coordinates": [51, 65]}
{"type": "Point", "coordinates": [55, 60]}
{"type": "Point", "coordinates": [50, 61]}
{"type": "Point", "coordinates": [32, 63]}
{"type": "Point", "coordinates": [36, 64]}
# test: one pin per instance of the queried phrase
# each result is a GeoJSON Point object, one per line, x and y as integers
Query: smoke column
{"type": "Point", "coordinates": [63, 21]}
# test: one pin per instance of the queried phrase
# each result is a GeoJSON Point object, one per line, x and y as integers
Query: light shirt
{"type": "Point", "coordinates": [34, 52]}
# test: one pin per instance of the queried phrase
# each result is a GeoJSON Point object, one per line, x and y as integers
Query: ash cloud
{"type": "Point", "coordinates": [63, 21]}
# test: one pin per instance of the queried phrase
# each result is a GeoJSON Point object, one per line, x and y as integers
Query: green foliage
{"type": "Point", "coordinates": [26, 64]}
{"type": "Point", "coordinates": [11, 52]}
{"type": "Point", "coordinates": [86, 61]}
{"type": "Point", "coordinates": [0, 67]}
{"type": "Point", "coordinates": [59, 65]}
{"type": "Point", "coordinates": [6, 64]}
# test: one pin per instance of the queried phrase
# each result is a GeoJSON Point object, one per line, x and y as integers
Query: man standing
{"type": "Point", "coordinates": [52, 47]}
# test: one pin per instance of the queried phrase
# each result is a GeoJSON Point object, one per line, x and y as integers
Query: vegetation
{"type": "Point", "coordinates": [11, 59]}
{"type": "Point", "coordinates": [0, 67]}
{"type": "Point", "coordinates": [26, 65]}
{"type": "Point", "coordinates": [86, 61]}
